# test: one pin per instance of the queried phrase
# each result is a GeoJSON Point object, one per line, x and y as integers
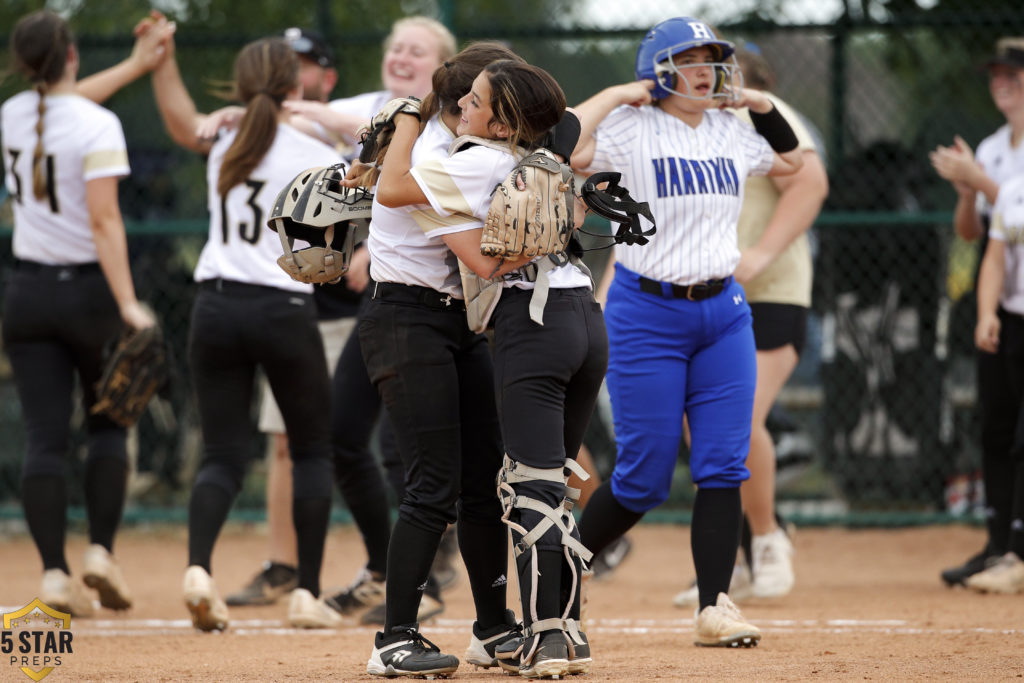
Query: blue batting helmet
{"type": "Point", "coordinates": [669, 38]}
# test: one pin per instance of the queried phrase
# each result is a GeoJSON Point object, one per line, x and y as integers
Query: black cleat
{"type": "Point", "coordinates": [405, 652]}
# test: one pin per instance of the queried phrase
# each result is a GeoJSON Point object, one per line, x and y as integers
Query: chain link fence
{"type": "Point", "coordinates": [879, 416]}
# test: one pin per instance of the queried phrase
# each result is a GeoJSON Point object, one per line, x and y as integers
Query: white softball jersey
{"type": "Point", "coordinates": [1008, 227]}
{"type": "Point", "coordinates": [82, 141]}
{"type": "Point", "coordinates": [460, 189]}
{"type": "Point", "coordinates": [240, 246]}
{"type": "Point", "coordinates": [1000, 160]}
{"type": "Point", "coordinates": [404, 243]}
{"type": "Point", "coordinates": [693, 180]}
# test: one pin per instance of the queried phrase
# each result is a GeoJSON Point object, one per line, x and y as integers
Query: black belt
{"type": "Point", "coordinates": [219, 284]}
{"type": "Point", "coordinates": [65, 271]}
{"type": "Point", "coordinates": [395, 292]}
{"type": "Point", "coordinates": [694, 292]}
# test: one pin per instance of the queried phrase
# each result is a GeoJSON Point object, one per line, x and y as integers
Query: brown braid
{"type": "Point", "coordinates": [39, 46]}
{"type": "Point", "coordinates": [38, 167]}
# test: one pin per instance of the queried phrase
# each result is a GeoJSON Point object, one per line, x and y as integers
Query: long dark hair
{"type": "Point", "coordinates": [265, 72]}
{"type": "Point", "coordinates": [449, 83]}
{"type": "Point", "coordinates": [526, 99]}
{"type": "Point", "coordinates": [39, 49]}
{"type": "Point", "coordinates": [454, 78]}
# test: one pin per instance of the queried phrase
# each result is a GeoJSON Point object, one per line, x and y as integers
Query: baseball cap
{"type": "Point", "coordinates": [310, 45]}
{"type": "Point", "coordinates": [1009, 51]}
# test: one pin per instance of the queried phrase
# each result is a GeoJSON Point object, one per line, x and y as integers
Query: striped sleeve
{"type": "Point", "coordinates": [106, 153]}
{"type": "Point", "coordinates": [615, 138]}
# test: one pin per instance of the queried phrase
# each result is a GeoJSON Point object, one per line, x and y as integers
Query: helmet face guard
{"type": "Point", "coordinates": [316, 208]}
{"type": "Point", "coordinates": [671, 77]}
{"type": "Point", "coordinates": [656, 53]}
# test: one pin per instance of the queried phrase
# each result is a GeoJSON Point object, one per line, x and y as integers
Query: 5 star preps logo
{"type": "Point", "coordinates": [36, 639]}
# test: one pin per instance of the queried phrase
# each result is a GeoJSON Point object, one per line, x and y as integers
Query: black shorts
{"type": "Point", "coordinates": [776, 325]}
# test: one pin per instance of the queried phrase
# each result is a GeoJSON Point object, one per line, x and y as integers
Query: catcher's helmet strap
{"type": "Point", "coordinates": [615, 204]}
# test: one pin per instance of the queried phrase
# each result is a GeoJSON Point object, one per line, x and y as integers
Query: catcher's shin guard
{"type": "Point", "coordinates": [515, 482]}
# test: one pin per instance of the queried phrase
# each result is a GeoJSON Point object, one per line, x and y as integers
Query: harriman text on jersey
{"type": "Point", "coordinates": [678, 176]}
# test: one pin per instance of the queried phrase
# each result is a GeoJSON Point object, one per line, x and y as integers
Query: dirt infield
{"type": "Point", "coordinates": [868, 606]}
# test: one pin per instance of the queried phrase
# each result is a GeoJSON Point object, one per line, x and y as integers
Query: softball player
{"type": "Point", "coordinates": [548, 375]}
{"type": "Point", "coordinates": [435, 377]}
{"type": "Point", "coordinates": [414, 48]}
{"type": "Point", "coordinates": [977, 180]}
{"type": "Point", "coordinates": [69, 295]}
{"type": "Point", "coordinates": [249, 313]}
{"type": "Point", "coordinates": [775, 271]}
{"type": "Point", "coordinates": [678, 322]}
{"type": "Point", "coordinates": [1000, 333]}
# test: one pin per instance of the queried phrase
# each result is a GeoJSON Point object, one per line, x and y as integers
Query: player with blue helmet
{"type": "Point", "coordinates": [654, 59]}
{"type": "Point", "coordinates": [679, 325]}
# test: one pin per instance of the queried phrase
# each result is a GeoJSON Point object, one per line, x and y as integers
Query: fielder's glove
{"type": "Point", "coordinates": [531, 211]}
{"type": "Point", "coordinates": [382, 126]}
{"type": "Point", "coordinates": [136, 369]}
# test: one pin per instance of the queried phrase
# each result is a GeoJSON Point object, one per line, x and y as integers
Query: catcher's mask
{"type": "Point", "coordinates": [615, 204]}
{"type": "Point", "coordinates": [654, 59]}
{"type": "Point", "coordinates": [316, 208]}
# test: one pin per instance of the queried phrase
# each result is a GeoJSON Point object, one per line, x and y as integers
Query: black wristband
{"type": "Point", "coordinates": [774, 128]}
{"type": "Point", "coordinates": [564, 136]}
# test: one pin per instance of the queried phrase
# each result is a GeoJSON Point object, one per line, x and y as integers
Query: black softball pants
{"type": "Point", "coordinates": [356, 408]}
{"type": "Point", "coordinates": [235, 328]}
{"type": "Point", "coordinates": [548, 378]}
{"type": "Point", "coordinates": [436, 379]}
{"type": "Point", "coordinates": [1001, 399]}
{"type": "Point", "coordinates": [57, 322]}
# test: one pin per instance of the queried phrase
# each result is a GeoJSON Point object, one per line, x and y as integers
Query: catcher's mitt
{"type": "Point", "coordinates": [532, 209]}
{"type": "Point", "coordinates": [136, 369]}
{"type": "Point", "coordinates": [382, 126]}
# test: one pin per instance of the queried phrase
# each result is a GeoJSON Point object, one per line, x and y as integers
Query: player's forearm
{"type": "Point", "coordinates": [178, 111]}
{"type": "Point", "coordinates": [965, 218]}
{"type": "Point", "coordinates": [396, 185]}
{"type": "Point", "coordinates": [590, 113]}
{"type": "Point", "coordinates": [112, 253]}
{"type": "Point", "coordinates": [101, 86]}
{"type": "Point", "coordinates": [990, 278]}
{"type": "Point", "coordinates": [987, 187]}
{"type": "Point", "coordinates": [601, 295]}
{"type": "Point", "coordinates": [466, 246]}
{"type": "Point", "coordinates": [800, 201]}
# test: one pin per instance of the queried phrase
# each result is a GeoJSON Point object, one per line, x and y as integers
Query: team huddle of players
{"type": "Point", "coordinates": [704, 321]}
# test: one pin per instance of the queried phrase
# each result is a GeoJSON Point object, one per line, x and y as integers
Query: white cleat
{"type": "Point", "coordinates": [305, 611]}
{"type": "Point", "coordinates": [209, 611]}
{"type": "Point", "coordinates": [63, 594]}
{"type": "Point", "coordinates": [103, 575]}
{"type": "Point", "coordinates": [722, 625]}
{"type": "Point", "coordinates": [773, 565]}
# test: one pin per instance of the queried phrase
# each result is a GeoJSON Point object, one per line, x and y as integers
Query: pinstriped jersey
{"type": "Point", "coordinates": [82, 141]}
{"type": "Point", "coordinates": [1000, 160]}
{"type": "Point", "coordinates": [1008, 227]}
{"type": "Point", "coordinates": [693, 180]}
{"type": "Point", "coordinates": [240, 247]}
